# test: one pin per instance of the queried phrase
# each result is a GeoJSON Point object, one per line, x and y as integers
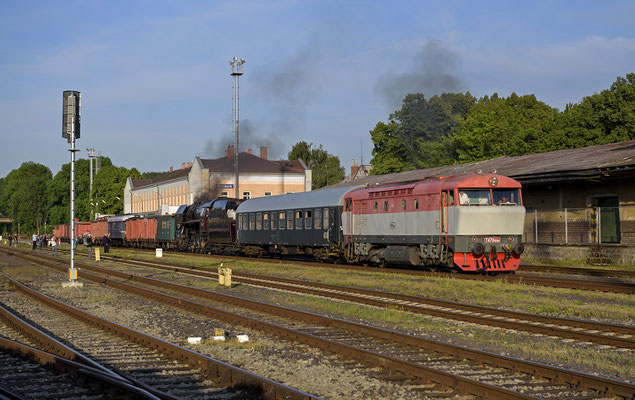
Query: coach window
{"type": "Point", "coordinates": [245, 220]}
{"type": "Point", "coordinates": [265, 221]}
{"type": "Point", "coordinates": [317, 220]}
{"type": "Point", "coordinates": [289, 219]}
{"type": "Point", "coordinates": [325, 218]}
{"type": "Point", "coordinates": [385, 205]}
{"type": "Point", "coordinates": [416, 204]}
{"type": "Point", "coordinates": [308, 219]}
{"type": "Point", "coordinates": [298, 220]}
{"type": "Point", "coordinates": [259, 221]}
{"type": "Point", "coordinates": [274, 220]}
{"type": "Point", "coordinates": [281, 220]}
{"type": "Point", "coordinates": [403, 204]}
{"type": "Point", "coordinates": [252, 221]}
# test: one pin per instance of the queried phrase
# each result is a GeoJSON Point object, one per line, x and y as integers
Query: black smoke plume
{"type": "Point", "coordinates": [432, 74]}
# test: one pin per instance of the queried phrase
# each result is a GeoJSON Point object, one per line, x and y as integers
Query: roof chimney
{"type": "Point", "coordinates": [229, 153]}
{"type": "Point", "coordinates": [182, 165]}
{"type": "Point", "coordinates": [249, 151]}
{"type": "Point", "coordinates": [171, 168]}
{"type": "Point", "coordinates": [189, 164]}
{"type": "Point", "coordinates": [263, 153]}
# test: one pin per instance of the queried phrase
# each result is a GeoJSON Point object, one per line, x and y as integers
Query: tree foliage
{"type": "Point", "coordinates": [456, 128]}
{"type": "Point", "coordinates": [23, 196]}
{"type": "Point", "coordinates": [108, 188]}
{"type": "Point", "coordinates": [326, 167]}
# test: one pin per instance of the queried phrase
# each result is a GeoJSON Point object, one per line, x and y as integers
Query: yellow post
{"type": "Point", "coordinates": [221, 274]}
{"type": "Point", "coordinates": [72, 274]}
{"type": "Point", "coordinates": [228, 276]}
{"type": "Point", "coordinates": [96, 254]}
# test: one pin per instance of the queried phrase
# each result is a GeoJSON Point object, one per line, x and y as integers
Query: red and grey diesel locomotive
{"type": "Point", "coordinates": [472, 223]}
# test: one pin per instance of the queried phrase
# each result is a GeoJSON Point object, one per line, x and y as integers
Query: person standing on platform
{"type": "Point", "coordinates": [34, 238]}
{"type": "Point", "coordinates": [10, 240]}
{"type": "Point", "coordinates": [105, 241]}
{"type": "Point", "coordinates": [89, 246]}
{"type": "Point", "coordinates": [54, 246]}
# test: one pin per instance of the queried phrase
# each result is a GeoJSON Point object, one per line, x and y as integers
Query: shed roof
{"type": "Point", "coordinates": [555, 166]}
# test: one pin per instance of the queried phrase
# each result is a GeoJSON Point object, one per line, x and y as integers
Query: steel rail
{"type": "Point", "coordinates": [116, 384]}
{"type": "Point", "coordinates": [577, 379]}
{"type": "Point", "coordinates": [603, 272]}
{"type": "Point", "coordinates": [530, 280]}
{"type": "Point", "coordinates": [396, 300]}
{"type": "Point", "coordinates": [225, 374]}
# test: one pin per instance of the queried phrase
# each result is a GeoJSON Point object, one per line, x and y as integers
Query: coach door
{"type": "Point", "coordinates": [445, 201]}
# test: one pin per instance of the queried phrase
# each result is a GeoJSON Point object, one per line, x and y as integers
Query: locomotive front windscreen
{"type": "Point", "coordinates": [485, 197]}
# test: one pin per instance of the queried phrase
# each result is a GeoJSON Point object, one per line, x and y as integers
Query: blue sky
{"type": "Point", "coordinates": [156, 89]}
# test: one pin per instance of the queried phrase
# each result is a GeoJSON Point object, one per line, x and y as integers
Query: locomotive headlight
{"type": "Point", "coordinates": [493, 181]}
{"type": "Point", "coordinates": [510, 239]}
{"type": "Point", "coordinates": [474, 240]}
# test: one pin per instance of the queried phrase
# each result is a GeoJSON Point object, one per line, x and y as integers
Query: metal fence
{"type": "Point", "coordinates": [581, 225]}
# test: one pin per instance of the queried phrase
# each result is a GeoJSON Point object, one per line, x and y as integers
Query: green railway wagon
{"type": "Point", "coordinates": [166, 228]}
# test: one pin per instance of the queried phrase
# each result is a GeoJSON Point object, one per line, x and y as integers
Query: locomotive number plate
{"type": "Point", "coordinates": [492, 240]}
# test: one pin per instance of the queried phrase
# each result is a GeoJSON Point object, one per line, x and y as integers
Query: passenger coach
{"type": "Point", "coordinates": [300, 223]}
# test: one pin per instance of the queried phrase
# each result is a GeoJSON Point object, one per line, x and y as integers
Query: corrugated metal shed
{"type": "Point", "coordinates": [556, 166]}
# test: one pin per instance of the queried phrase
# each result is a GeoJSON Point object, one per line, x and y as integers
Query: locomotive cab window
{"type": "Point", "coordinates": [308, 219]}
{"type": "Point", "coordinates": [506, 197]}
{"type": "Point", "coordinates": [317, 220]}
{"type": "Point", "coordinates": [298, 220]}
{"type": "Point", "coordinates": [347, 205]}
{"type": "Point", "coordinates": [474, 197]}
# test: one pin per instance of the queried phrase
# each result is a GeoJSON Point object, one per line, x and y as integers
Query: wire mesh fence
{"type": "Point", "coordinates": [581, 225]}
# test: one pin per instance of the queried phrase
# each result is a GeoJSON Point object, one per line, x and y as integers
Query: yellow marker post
{"type": "Point", "coordinates": [72, 274]}
{"type": "Point", "coordinates": [97, 254]}
{"type": "Point", "coordinates": [221, 274]}
{"type": "Point", "coordinates": [228, 276]}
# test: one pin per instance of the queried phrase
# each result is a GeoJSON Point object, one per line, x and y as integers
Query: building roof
{"type": "Point", "coordinates": [556, 166]}
{"type": "Point", "coordinates": [252, 163]}
{"type": "Point", "coordinates": [247, 163]}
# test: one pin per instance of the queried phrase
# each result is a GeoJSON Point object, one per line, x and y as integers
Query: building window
{"type": "Point", "coordinates": [281, 219]}
{"type": "Point", "coordinates": [289, 192]}
{"type": "Point", "coordinates": [265, 221]}
{"type": "Point", "coordinates": [308, 220]}
{"type": "Point", "coordinates": [318, 218]}
{"type": "Point", "coordinates": [268, 193]}
{"type": "Point", "coordinates": [375, 206]}
{"type": "Point", "coordinates": [246, 195]}
{"type": "Point", "coordinates": [224, 194]}
{"type": "Point", "coordinates": [289, 219]}
{"type": "Point", "coordinates": [274, 221]}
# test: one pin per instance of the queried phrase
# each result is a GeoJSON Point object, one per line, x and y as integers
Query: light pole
{"type": "Point", "coordinates": [237, 71]}
{"type": "Point", "coordinates": [92, 153]}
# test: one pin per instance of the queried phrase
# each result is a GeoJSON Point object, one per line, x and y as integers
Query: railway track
{"type": "Point", "coordinates": [166, 370]}
{"type": "Point", "coordinates": [569, 283]}
{"type": "Point", "coordinates": [585, 331]}
{"type": "Point", "coordinates": [599, 272]}
{"type": "Point", "coordinates": [444, 365]}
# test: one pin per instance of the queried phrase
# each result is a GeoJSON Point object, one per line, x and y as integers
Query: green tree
{"type": "Point", "coordinates": [418, 135]}
{"type": "Point", "coordinates": [498, 126]}
{"type": "Point", "coordinates": [23, 196]}
{"type": "Point", "coordinates": [326, 167]}
{"type": "Point", "coordinates": [605, 117]}
{"type": "Point", "coordinates": [108, 188]}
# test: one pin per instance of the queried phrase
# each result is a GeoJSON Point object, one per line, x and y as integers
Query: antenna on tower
{"type": "Point", "coordinates": [237, 70]}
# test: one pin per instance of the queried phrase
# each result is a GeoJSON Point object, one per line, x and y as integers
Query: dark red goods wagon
{"type": "Point", "coordinates": [81, 228]}
{"type": "Point", "coordinates": [141, 229]}
{"type": "Point", "coordinates": [99, 228]}
{"type": "Point", "coordinates": [57, 231]}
